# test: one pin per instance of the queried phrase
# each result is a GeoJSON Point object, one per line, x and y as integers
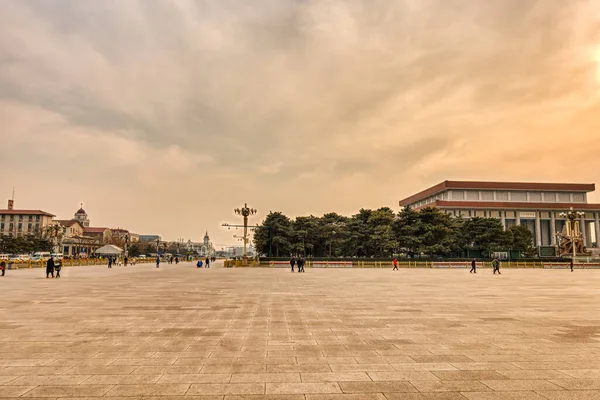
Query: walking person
{"type": "Point", "coordinates": [301, 264]}
{"type": "Point", "coordinates": [125, 260]}
{"type": "Point", "coordinates": [572, 265]}
{"type": "Point", "coordinates": [110, 262]}
{"type": "Point", "coordinates": [496, 265]}
{"type": "Point", "coordinates": [293, 263]}
{"type": "Point", "coordinates": [157, 261]}
{"type": "Point", "coordinates": [57, 268]}
{"type": "Point", "coordinates": [50, 268]}
{"type": "Point", "coordinates": [395, 265]}
{"type": "Point", "coordinates": [207, 261]}
{"type": "Point", "coordinates": [176, 260]}
{"type": "Point", "coordinates": [3, 267]}
{"type": "Point", "coordinates": [473, 266]}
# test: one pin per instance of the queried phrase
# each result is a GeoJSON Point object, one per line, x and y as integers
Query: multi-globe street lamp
{"type": "Point", "coordinates": [244, 212]}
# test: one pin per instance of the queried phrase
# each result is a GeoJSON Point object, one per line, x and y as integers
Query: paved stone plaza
{"type": "Point", "coordinates": [327, 334]}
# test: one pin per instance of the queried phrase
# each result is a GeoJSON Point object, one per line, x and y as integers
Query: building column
{"type": "Point", "coordinates": [503, 218]}
{"type": "Point", "coordinates": [518, 218]}
{"type": "Point", "coordinates": [597, 226]}
{"type": "Point", "coordinates": [538, 229]}
{"type": "Point", "coordinates": [552, 229]}
{"type": "Point", "coordinates": [583, 229]}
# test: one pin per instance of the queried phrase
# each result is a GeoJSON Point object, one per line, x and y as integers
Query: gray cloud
{"type": "Point", "coordinates": [267, 96]}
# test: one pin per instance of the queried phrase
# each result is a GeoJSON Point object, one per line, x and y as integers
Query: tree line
{"type": "Point", "coordinates": [383, 233]}
{"type": "Point", "coordinates": [23, 244]}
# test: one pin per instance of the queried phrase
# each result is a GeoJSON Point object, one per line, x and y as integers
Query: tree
{"type": "Point", "coordinates": [134, 250]}
{"type": "Point", "coordinates": [281, 230]}
{"type": "Point", "coordinates": [521, 239]}
{"type": "Point", "coordinates": [406, 229]}
{"type": "Point", "coordinates": [486, 234]}
{"type": "Point", "coordinates": [381, 225]}
{"type": "Point", "coordinates": [437, 231]}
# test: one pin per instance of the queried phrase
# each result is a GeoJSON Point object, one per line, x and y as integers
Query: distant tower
{"type": "Point", "coordinates": [82, 217]}
{"type": "Point", "coordinates": [206, 240]}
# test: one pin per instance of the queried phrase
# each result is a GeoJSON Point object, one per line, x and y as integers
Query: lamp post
{"type": "Point", "coordinates": [572, 224]}
{"type": "Point", "coordinates": [244, 212]}
{"type": "Point", "coordinates": [127, 245]}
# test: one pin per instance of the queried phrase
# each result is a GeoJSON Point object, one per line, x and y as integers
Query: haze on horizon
{"type": "Point", "coordinates": [163, 116]}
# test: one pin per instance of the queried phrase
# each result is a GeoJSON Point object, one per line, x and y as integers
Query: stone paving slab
{"type": "Point", "coordinates": [179, 332]}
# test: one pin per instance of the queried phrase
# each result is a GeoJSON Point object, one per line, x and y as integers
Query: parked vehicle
{"type": "Point", "coordinates": [5, 257]}
{"type": "Point", "coordinates": [40, 256]}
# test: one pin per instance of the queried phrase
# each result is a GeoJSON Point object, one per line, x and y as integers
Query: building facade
{"type": "Point", "coordinates": [23, 222]}
{"type": "Point", "coordinates": [535, 205]}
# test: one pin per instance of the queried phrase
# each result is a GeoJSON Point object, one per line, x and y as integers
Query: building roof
{"type": "Point", "coordinates": [555, 187]}
{"type": "Point", "coordinates": [68, 222]}
{"type": "Point", "coordinates": [119, 230]}
{"type": "Point", "coordinates": [94, 230]}
{"type": "Point", "coordinates": [27, 212]}
{"type": "Point", "coordinates": [81, 211]}
{"type": "Point", "coordinates": [510, 205]}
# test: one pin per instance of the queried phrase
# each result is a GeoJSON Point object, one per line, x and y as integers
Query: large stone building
{"type": "Point", "coordinates": [23, 222]}
{"type": "Point", "coordinates": [535, 205]}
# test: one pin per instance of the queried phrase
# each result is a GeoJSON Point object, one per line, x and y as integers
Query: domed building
{"type": "Point", "coordinates": [82, 217]}
{"type": "Point", "coordinates": [207, 248]}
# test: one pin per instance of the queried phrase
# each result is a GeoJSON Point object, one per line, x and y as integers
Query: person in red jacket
{"type": "Point", "coordinates": [395, 265]}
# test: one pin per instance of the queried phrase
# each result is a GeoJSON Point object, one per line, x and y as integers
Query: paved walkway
{"type": "Point", "coordinates": [327, 334]}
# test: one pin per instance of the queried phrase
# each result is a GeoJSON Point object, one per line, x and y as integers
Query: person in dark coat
{"type": "Point", "coordinates": [572, 264]}
{"type": "Point", "coordinates": [293, 263]}
{"type": "Point", "coordinates": [473, 266]}
{"type": "Point", "coordinates": [301, 264]}
{"type": "Point", "coordinates": [3, 267]}
{"type": "Point", "coordinates": [207, 261]}
{"type": "Point", "coordinates": [110, 261]}
{"type": "Point", "coordinates": [125, 260]}
{"type": "Point", "coordinates": [176, 260]}
{"type": "Point", "coordinates": [496, 265]}
{"type": "Point", "coordinates": [50, 267]}
{"type": "Point", "coordinates": [157, 261]}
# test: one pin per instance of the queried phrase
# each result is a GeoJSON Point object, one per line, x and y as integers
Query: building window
{"type": "Point", "coordinates": [11, 226]}
{"type": "Point", "coordinates": [578, 198]}
{"type": "Point", "coordinates": [564, 198]}
{"type": "Point", "coordinates": [535, 196]}
{"type": "Point", "coordinates": [12, 217]}
{"type": "Point", "coordinates": [31, 217]}
{"type": "Point", "coordinates": [472, 195]}
{"type": "Point", "coordinates": [37, 217]}
{"type": "Point", "coordinates": [20, 226]}
{"type": "Point", "coordinates": [501, 195]}
{"type": "Point", "coordinates": [29, 227]}
{"type": "Point", "coordinates": [518, 196]}
{"type": "Point", "coordinates": [487, 195]}
{"type": "Point", "coordinates": [2, 217]}
{"type": "Point", "coordinates": [2, 226]}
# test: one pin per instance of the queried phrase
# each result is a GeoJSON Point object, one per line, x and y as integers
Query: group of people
{"type": "Point", "coordinates": [299, 262]}
{"type": "Point", "coordinates": [207, 262]}
{"type": "Point", "coordinates": [113, 260]}
{"type": "Point", "coordinates": [495, 266]}
{"type": "Point", "coordinates": [52, 267]}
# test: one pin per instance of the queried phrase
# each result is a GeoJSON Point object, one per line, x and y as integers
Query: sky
{"type": "Point", "coordinates": [162, 116]}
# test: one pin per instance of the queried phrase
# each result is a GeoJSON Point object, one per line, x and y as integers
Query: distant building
{"type": "Point", "coordinates": [82, 217]}
{"type": "Point", "coordinates": [23, 222]}
{"type": "Point", "coordinates": [71, 227]}
{"type": "Point", "coordinates": [149, 238]}
{"type": "Point", "coordinates": [207, 249]}
{"type": "Point", "coordinates": [535, 205]}
{"type": "Point", "coordinates": [102, 234]}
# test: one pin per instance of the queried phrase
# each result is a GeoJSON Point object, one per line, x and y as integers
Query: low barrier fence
{"type": "Point", "coordinates": [76, 262]}
{"type": "Point", "coordinates": [407, 264]}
